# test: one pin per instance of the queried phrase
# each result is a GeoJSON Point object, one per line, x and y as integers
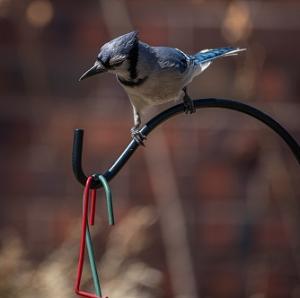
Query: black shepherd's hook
{"type": "Point", "coordinates": [165, 115]}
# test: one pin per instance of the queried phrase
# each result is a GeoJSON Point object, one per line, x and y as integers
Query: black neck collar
{"type": "Point", "coordinates": [133, 60]}
{"type": "Point", "coordinates": [132, 83]}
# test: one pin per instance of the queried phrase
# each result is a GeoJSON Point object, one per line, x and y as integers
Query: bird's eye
{"type": "Point", "coordinates": [116, 63]}
{"type": "Point", "coordinates": [117, 60]}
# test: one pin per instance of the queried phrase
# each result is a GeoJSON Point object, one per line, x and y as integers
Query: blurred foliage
{"type": "Point", "coordinates": [122, 271]}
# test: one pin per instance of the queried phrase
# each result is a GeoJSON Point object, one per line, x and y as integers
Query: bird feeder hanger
{"type": "Point", "coordinates": [165, 115]}
{"type": "Point", "coordinates": [95, 181]}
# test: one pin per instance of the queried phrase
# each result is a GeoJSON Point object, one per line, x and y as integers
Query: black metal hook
{"type": "Point", "coordinates": [165, 115]}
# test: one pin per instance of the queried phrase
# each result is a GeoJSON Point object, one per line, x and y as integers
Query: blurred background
{"type": "Point", "coordinates": [209, 208]}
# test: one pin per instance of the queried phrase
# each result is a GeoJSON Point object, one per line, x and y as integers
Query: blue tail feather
{"type": "Point", "coordinates": [208, 55]}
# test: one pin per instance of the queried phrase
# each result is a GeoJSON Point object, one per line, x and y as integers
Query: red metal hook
{"type": "Point", "coordinates": [83, 235]}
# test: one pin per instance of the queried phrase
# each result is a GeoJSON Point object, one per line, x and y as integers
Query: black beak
{"type": "Point", "coordinates": [97, 68]}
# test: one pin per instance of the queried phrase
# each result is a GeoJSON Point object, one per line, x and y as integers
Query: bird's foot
{"type": "Point", "coordinates": [138, 136]}
{"type": "Point", "coordinates": [189, 107]}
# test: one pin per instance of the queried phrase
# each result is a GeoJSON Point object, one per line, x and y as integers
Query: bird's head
{"type": "Point", "coordinates": [115, 56]}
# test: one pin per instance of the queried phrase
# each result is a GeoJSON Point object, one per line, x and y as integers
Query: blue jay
{"type": "Point", "coordinates": [152, 75]}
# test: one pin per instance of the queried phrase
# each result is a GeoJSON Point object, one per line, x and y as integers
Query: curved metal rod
{"type": "Point", "coordinates": [165, 115]}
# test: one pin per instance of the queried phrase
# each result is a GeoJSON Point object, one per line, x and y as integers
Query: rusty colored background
{"type": "Point", "coordinates": [209, 208]}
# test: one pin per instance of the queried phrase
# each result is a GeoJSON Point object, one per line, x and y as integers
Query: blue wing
{"type": "Point", "coordinates": [208, 55]}
{"type": "Point", "coordinates": [171, 58]}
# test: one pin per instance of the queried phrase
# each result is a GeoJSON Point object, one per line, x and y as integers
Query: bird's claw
{"type": "Point", "coordinates": [138, 136]}
{"type": "Point", "coordinates": [189, 107]}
